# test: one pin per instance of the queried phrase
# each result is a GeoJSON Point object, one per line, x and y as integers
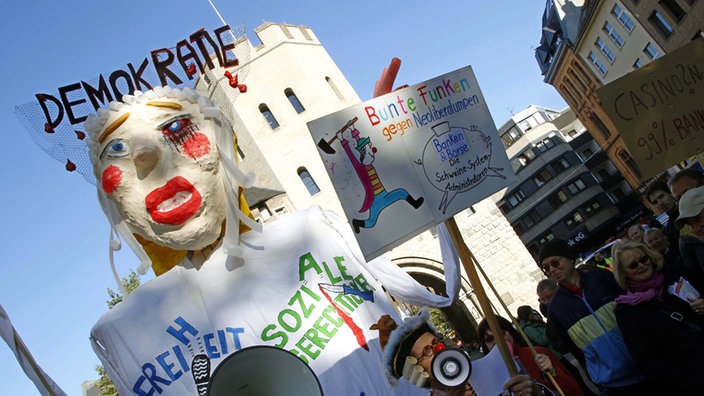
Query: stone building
{"type": "Point", "coordinates": [292, 80]}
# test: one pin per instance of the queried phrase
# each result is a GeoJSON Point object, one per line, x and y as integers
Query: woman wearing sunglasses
{"type": "Point", "coordinates": [663, 333]}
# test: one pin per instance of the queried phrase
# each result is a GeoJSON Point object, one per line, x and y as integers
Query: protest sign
{"type": "Point", "coordinates": [659, 109]}
{"type": "Point", "coordinates": [412, 158]}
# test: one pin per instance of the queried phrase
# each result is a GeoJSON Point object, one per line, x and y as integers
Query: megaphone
{"type": "Point", "coordinates": [451, 367]}
{"type": "Point", "coordinates": [263, 371]}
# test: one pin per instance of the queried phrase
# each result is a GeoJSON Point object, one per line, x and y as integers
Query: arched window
{"type": "Point", "coordinates": [294, 101]}
{"type": "Point", "coordinates": [334, 88]}
{"type": "Point", "coordinates": [308, 181]}
{"type": "Point", "coordinates": [268, 116]}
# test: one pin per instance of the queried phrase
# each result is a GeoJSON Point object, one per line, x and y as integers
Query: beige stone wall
{"type": "Point", "coordinates": [298, 61]}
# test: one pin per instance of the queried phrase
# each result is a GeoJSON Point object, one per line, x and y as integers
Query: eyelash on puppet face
{"type": "Point", "coordinates": [176, 128]}
{"type": "Point", "coordinates": [116, 148]}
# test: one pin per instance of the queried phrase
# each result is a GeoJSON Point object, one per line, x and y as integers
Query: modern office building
{"type": "Point", "coordinates": [587, 44]}
{"type": "Point", "coordinates": [567, 187]}
{"type": "Point", "coordinates": [292, 80]}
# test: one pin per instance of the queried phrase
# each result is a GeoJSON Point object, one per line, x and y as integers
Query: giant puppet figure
{"type": "Point", "coordinates": [168, 183]}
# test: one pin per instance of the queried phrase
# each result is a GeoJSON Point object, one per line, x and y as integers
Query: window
{"type": "Point", "coordinates": [576, 186]}
{"type": "Point", "coordinates": [572, 133]}
{"type": "Point", "coordinates": [528, 123]}
{"type": "Point", "coordinates": [546, 238]}
{"type": "Point", "coordinates": [545, 144]}
{"type": "Point", "coordinates": [586, 154]}
{"type": "Point", "coordinates": [556, 200]}
{"type": "Point", "coordinates": [574, 220]}
{"type": "Point", "coordinates": [613, 34]}
{"type": "Point", "coordinates": [601, 44]}
{"type": "Point", "coordinates": [560, 165]}
{"type": "Point", "coordinates": [674, 9]}
{"type": "Point", "coordinates": [532, 218]}
{"type": "Point", "coordinates": [630, 163]}
{"type": "Point", "coordinates": [505, 208]}
{"type": "Point", "coordinates": [516, 198]}
{"type": "Point", "coordinates": [526, 157]}
{"type": "Point", "coordinates": [600, 66]}
{"type": "Point", "coordinates": [543, 177]}
{"type": "Point", "coordinates": [592, 207]}
{"type": "Point", "coordinates": [638, 64]}
{"type": "Point", "coordinates": [600, 124]}
{"type": "Point", "coordinates": [510, 136]}
{"type": "Point", "coordinates": [623, 17]}
{"type": "Point", "coordinates": [519, 229]}
{"type": "Point", "coordinates": [651, 51]}
{"type": "Point", "coordinates": [308, 181]}
{"type": "Point", "coordinates": [268, 116]}
{"type": "Point", "coordinates": [334, 88]}
{"type": "Point", "coordinates": [294, 101]}
{"type": "Point", "coordinates": [659, 21]}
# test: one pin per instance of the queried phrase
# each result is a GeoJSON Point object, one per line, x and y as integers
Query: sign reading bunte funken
{"type": "Point", "coordinates": [659, 109]}
{"type": "Point", "coordinates": [412, 158]}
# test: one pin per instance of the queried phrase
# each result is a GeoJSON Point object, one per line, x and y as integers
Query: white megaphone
{"type": "Point", "coordinates": [263, 371]}
{"type": "Point", "coordinates": [451, 367]}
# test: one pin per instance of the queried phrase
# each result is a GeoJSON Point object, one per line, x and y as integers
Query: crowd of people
{"type": "Point", "coordinates": [630, 322]}
{"type": "Point", "coordinates": [636, 325]}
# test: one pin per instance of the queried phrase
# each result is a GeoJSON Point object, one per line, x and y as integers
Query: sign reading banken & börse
{"type": "Point", "coordinates": [659, 109]}
{"type": "Point", "coordinates": [410, 159]}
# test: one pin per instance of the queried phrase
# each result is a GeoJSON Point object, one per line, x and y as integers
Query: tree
{"type": "Point", "coordinates": [129, 282]}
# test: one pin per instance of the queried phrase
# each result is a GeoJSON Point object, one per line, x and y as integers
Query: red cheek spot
{"type": "Point", "coordinates": [196, 145]}
{"type": "Point", "coordinates": [112, 176]}
{"type": "Point", "coordinates": [374, 150]}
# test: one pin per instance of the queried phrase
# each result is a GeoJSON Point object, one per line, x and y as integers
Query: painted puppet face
{"type": "Point", "coordinates": [159, 163]}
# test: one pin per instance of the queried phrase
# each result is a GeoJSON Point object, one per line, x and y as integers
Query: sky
{"type": "Point", "coordinates": [55, 273]}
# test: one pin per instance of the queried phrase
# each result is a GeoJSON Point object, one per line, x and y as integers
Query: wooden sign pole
{"type": "Point", "coordinates": [466, 257]}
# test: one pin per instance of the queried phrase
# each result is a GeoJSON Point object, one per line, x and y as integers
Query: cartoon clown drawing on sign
{"type": "Point", "coordinates": [376, 197]}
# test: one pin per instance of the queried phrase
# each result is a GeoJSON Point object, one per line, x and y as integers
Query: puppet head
{"type": "Point", "coordinates": [164, 161]}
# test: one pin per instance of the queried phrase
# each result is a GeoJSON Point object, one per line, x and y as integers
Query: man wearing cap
{"type": "Point", "coordinates": [581, 312]}
{"type": "Point", "coordinates": [692, 249]}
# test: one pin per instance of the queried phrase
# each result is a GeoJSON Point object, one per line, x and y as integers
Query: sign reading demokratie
{"type": "Point", "coordinates": [659, 109]}
{"type": "Point", "coordinates": [410, 159]}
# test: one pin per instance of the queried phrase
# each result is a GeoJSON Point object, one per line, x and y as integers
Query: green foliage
{"type": "Point", "coordinates": [130, 282]}
{"type": "Point", "coordinates": [107, 388]}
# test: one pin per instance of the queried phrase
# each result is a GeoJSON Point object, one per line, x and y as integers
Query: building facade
{"type": "Point", "coordinates": [292, 80]}
{"type": "Point", "coordinates": [587, 44]}
{"type": "Point", "coordinates": [567, 187]}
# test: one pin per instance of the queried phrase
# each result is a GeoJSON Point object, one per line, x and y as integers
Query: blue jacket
{"type": "Point", "coordinates": [596, 343]}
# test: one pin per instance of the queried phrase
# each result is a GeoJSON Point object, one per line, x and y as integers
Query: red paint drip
{"type": "Point", "coordinates": [196, 145]}
{"type": "Point", "coordinates": [112, 176]}
{"type": "Point", "coordinates": [70, 166]}
{"type": "Point", "coordinates": [358, 333]}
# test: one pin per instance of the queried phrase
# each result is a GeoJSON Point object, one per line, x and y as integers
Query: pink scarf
{"type": "Point", "coordinates": [642, 291]}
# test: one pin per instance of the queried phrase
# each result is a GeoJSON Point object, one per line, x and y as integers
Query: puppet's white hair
{"type": "Point", "coordinates": [232, 176]}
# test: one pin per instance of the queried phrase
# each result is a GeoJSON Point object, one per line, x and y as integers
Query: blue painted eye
{"type": "Point", "coordinates": [116, 148]}
{"type": "Point", "coordinates": [174, 126]}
